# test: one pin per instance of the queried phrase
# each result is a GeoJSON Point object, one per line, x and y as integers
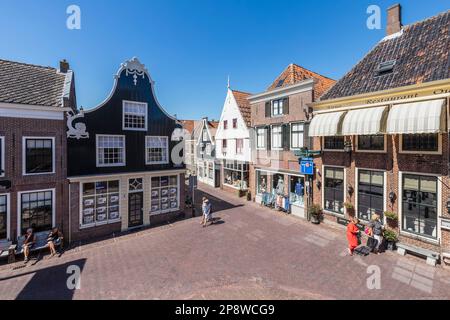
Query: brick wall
{"type": "Point", "coordinates": [13, 129]}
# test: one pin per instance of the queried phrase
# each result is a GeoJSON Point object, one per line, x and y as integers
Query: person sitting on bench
{"type": "Point", "coordinates": [28, 243]}
{"type": "Point", "coordinates": [52, 238]}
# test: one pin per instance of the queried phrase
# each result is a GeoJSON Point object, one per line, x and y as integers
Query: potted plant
{"type": "Point", "coordinates": [249, 196]}
{"type": "Point", "coordinates": [391, 218]}
{"type": "Point", "coordinates": [349, 208]}
{"type": "Point", "coordinates": [391, 239]}
{"type": "Point", "coordinates": [315, 213]}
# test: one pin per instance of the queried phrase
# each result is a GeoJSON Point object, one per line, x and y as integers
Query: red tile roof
{"type": "Point", "coordinates": [244, 105]}
{"type": "Point", "coordinates": [295, 73]}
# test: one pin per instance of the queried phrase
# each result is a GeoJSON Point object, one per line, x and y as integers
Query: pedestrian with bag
{"type": "Point", "coordinates": [207, 210]}
{"type": "Point", "coordinates": [376, 233]}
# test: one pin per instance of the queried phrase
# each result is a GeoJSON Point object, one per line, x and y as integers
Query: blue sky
{"type": "Point", "coordinates": [191, 46]}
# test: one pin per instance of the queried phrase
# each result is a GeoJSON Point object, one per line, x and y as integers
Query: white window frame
{"type": "Point", "coordinates": [19, 207]}
{"type": "Point", "coordinates": [122, 164]}
{"type": "Point", "coordinates": [340, 215]}
{"type": "Point", "coordinates": [123, 115]}
{"type": "Point", "coordinates": [24, 155]}
{"type": "Point", "coordinates": [371, 151]}
{"type": "Point", "coordinates": [438, 208]}
{"type": "Point", "coordinates": [160, 211]}
{"type": "Point", "coordinates": [438, 152]}
{"type": "Point", "coordinates": [90, 225]}
{"type": "Point", "coordinates": [291, 135]}
{"type": "Point", "coordinates": [264, 138]}
{"type": "Point", "coordinates": [2, 158]}
{"type": "Point", "coordinates": [8, 216]}
{"type": "Point", "coordinates": [147, 162]}
{"type": "Point", "coordinates": [236, 146]}
{"type": "Point", "coordinates": [281, 137]}
{"type": "Point", "coordinates": [279, 107]}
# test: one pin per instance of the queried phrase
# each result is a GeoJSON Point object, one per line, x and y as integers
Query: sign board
{"type": "Point", "coordinates": [307, 166]}
{"type": "Point", "coordinates": [445, 224]}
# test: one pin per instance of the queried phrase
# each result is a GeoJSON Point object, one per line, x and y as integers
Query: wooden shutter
{"type": "Point", "coordinates": [268, 111]}
{"type": "Point", "coordinates": [286, 136]}
{"type": "Point", "coordinates": [286, 106]}
{"type": "Point", "coordinates": [268, 138]}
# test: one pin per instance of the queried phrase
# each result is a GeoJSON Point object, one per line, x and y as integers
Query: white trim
{"type": "Point", "coordinates": [123, 115]}
{"type": "Point", "coordinates": [372, 151]}
{"type": "Point", "coordinates": [24, 155]}
{"type": "Point", "coordinates": [167, 151]}
{"type": "Point", "coordinates": [438, 152]}
{"type": "Point", "coordinates": [356, 188]}
{"type": "Point", "coordinates": [19, 207]}
{"type": "Point", "coordinates": [265, 136]}
{"type": "Point", "coordinates": [2, 159]}
{"type": "Point", "coordinates": [114, 176]}
{"type": "Point", "coordinates": [438, 207]}
{"type": "Point", "coordinates": [302, 86]}
{"type": "Point", "coordinates": [271, 137]}
{"type": "Point", "coordinates": [122, 164]}
{"type": "Point", "coordinates": [160, 211]}
{"type": "Point", "coordinates": [290, 135]}
{"type": "Point", "coordinates": [16, 110]}
{"type": "Point", "coordinates": [8, 216]}
{"type": "Point", "coordinates": [337, 214]}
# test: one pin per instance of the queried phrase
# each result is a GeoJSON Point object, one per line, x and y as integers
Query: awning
{"type": "Point", "coordinates": [364, 121]}
{"type": "Point", "coordinates": [326, 124]}
{"type": "Point", "coordinates": [417, 117]}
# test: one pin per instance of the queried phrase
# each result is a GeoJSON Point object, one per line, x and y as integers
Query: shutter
{"type": "Point", "coordinates": [268, 113]}
{"type": "Point", "coordinates": [286, 134]}
{"type": "Point", "coordinates": [268, 142]}
{"type": "Point", "coordinates": [286, 106]}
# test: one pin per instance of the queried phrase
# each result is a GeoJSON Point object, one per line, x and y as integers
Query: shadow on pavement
{"type": "Point", "coordinates": [217, 203]}
{"type": "Point", "coordinates": [50, 283]}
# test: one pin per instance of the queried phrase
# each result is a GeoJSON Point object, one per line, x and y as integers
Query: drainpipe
{"type": "Point", "coordinates": [70, 214]}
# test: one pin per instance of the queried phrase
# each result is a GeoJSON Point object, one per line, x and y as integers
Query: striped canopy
{"type": "Point", "coordinates": [417, 117]}
{"type": "Point", "coordinates": [326, 124]}
{"type": "Point", "coordinates": [364, 121]}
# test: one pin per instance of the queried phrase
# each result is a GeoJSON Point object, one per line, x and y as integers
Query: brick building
{"type": "Point", "coordinates": [33, 162]}
{"type": "Point", "coordinates": [383, 132]}
{"type": "Point", "coordinates": [280, 120]}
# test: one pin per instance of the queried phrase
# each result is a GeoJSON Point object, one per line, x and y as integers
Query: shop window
{"type": "Point", "coordinates": [297, 135]}
{"type": "Point", "coordinates": [100, 202]}
{"type": "Point", "coordinates": [261, 134]}
{"type": "Point", "coordinates": [370, 194]}
{"type": "Point", "coordinates": [164, 194]}
{"type": "Point", "coordinates": [261, 182]}
{"type": "Point", "coordinates": [420, 142]}
{"type": "Point", "coordinates": [334, 190]}
{"type": "Point", "coordinates": [419, 207]}
{"type": "Point", "coordinates": [36, 211]}
{"type": "Point", "coordinates": [296, 190]}
{"type": "Point", "coordinates": [277, 137]}
{"type": "Point", "coordinates": [278, 186]}
{"type": "Point", "coordinates": [39, 155]}
{"type": "Point", "coordinates": [3, 217]}
{"type": "Point", "coordinates": [157, 150]}
{"type": "Point", "coordinates": [134, 115]}
{"type": "Point", "coordinates": [333, 143]}
{"type": "Point", "coordinates": [371, 143]}
{"type": "Point", "coordinates": [211, 171]}
{"type": "Point", "coordinates": [236, 174]}
{"type": "Point", "coordinates": [110, 151]}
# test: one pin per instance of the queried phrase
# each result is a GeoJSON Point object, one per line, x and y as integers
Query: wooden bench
{"type": "Point", "coordinates": [432, 256]}
{"type": "Point", "coordinates": [40, 244]}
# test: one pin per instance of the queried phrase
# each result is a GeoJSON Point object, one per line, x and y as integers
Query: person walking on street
{"type": "Point", "coordinates": [377, 227]}
{"type": "Point", "coordinates": [352, 235]}
{"type": "Point", "coordinates": [206, 209]}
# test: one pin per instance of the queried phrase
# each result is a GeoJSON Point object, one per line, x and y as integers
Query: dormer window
{"type": "Point", "coordinates": [385, 68]}
{"type": "Point", "coordinates": [134, 116]}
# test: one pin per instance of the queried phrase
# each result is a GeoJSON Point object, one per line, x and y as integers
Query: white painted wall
{"type": "Point", "coordinates": [231, 111]}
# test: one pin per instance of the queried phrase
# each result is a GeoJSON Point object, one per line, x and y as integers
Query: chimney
{"type": "Point", "coordinates": [63, 66]}
{"type": "Point", "coordinates": [394, 19]}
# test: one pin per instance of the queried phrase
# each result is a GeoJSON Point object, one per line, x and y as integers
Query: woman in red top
{"type": "Point", "coordinates": [352, 235]}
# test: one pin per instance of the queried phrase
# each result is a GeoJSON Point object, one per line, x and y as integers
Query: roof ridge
{"type": "Point", "coordinates": [244, 92]}
{"type": "Point", "coordinates": [319, 74]}
{"type": "Point", "coordinates": [28, 64]}
{"type": "Point", "coordinates": [426, 19]}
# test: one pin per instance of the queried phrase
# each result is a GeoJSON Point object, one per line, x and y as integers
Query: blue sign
{"type": "Point", "coordinates": [307, 166]}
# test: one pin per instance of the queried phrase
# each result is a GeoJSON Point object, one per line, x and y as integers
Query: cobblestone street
{"type": "Point", "coordinates": [252, 253]}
